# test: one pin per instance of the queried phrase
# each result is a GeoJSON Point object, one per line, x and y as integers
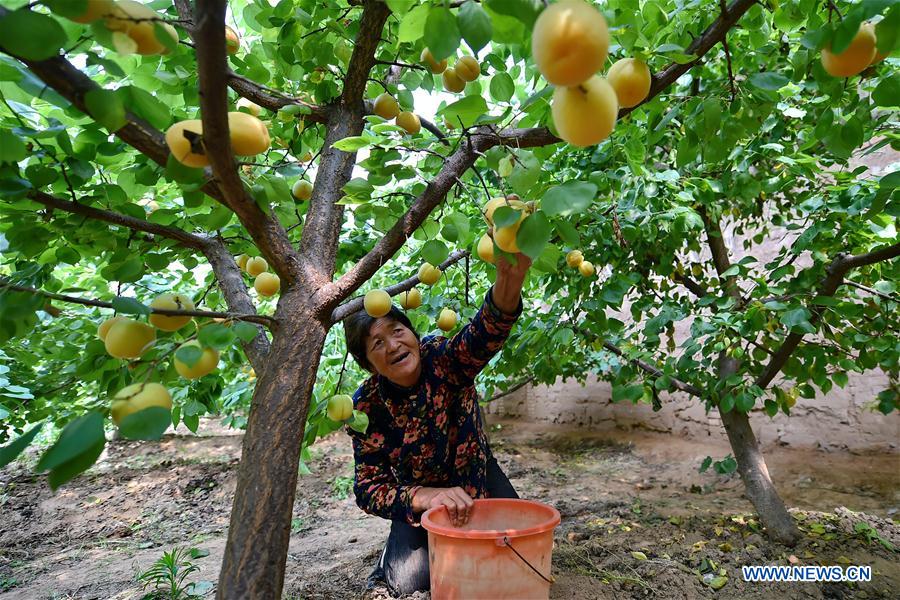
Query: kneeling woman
{"type": "Point", "coordinates": [425, 446]}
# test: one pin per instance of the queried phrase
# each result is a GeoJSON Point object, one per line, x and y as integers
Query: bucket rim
{"type": "Point", "coordinates": [492, 534]}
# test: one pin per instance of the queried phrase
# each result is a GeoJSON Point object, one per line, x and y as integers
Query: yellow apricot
{"type": "Point", "coordinates": [411, 299]}
{"type": "Point", "coordinates": [630, 78]}
{"type": "Point", "coordinates": [377, 303]}
{"type": "Point", "coordinates": [95, 10]}
{"type": "Point", "coordinates": [429, 274]}
{"type": "Point", "coordinates": [129, 339]}
{"type": "Point", "coordinates": [249, 135]}
{"type": "Point", "coordinates": [569, 42]}
{"type": "Point", "coordinates": [206, 364]}
{"type": "Point", "coordinates": [585, 114]}
{"type": "Point", "coordinates": [574, 258]}
{"type": "Point", "coordinates": [447, 319]}
{"type": "Point", "coordinates": [302, 190]}
{"type": "Point", "coordinates": [586, 268]}
{"type": "Point", "coordinates": [185, 142]}
{"type": "Point", "coordinates": [486, 249]}
{"type": "Point", "coordinates": [409, 121]}
{"type": "Point", "coordinates": [468, 68]}
{"type": "Point", "coordinates": [435, 66]}
{"type": "Point", "coordinates": [386, 106]}
{"type": "Point", "coordinates": [855, 58]}
{"type": "Point", "coordinates": [171, 302]}
{"type": "Point", "coordinates": [232, 41]}
{"type": "Point", "coordinates": [453, 82]}
{"type": "Point", "coordinates": [267, 284]}
{"type": "Point", "coordinates": [256, 265]}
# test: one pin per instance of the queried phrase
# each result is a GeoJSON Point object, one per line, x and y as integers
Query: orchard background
{"type": "Point", "coordinates": [742, 127]}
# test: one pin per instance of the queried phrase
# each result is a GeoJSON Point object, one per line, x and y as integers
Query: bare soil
{"type": "Point", "coordinates": [638, 520]}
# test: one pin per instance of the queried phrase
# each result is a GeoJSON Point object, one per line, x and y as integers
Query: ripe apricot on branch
{"type": "Point", "coordinates": [447, 319]}
{"type": "Point", "coordinates": [409, 121]}
{"type": "Point", "coordinates": [138, 396]}
{"type": "Point", "coordinates": [435, 66]}
{"type": "Point", "coordinates": [574, 258]}
{"type": "Point", "coordinates": [386, 106]}
{"type": "Point", "coordinates": [411, 299]}
{"type": "Point", "coordinates": [855, 58]}
{"type": "Point", "coordinates": [486, 249]}
{"type": "Point", "coordinates": [586, 268]}
{"type": "Point", "coordinates": [185, 142]}
{"type": "Point", "coordinates": [468, 68]}
{"type": "Point", "coordinates": [569, 42]}
{"type": "Point", "coordinates": [340, 408]}
{"type": "Point", "coordinates": [106, 325]}
{"type": "Point", "coordinates": [171, 302]}
{"type": "Point", "coordinates": [205, 365]}
{"type": "Point", "coordinates": [630, 78]}
{"type": "Point", "coordinates": [429, 274]}
{"type": "Point", "coordinates": [585, 114]}
{"type": "Point", "coordinates": [267, 284]}
{"type": "Point", "coordinates": [377, 303]}
{"type": "Point", "coordinates": [257, 265]}
{"type": "Point", "coordinates": [232, 41]}
{"type": "Point", "coordinates": [94, 11]}
{"type": "Point", "coordinates": [139, 23]}
{"type": "Point", "coordinates": [241, 261]}
{"type": "Point", "coordinates": [302, 190]}
{"type": "Point", "coordinates": [127, 338]}
{"type": "Point", "coordinates": [249, 135]}
{"type": "Point", "coordinates": [452, 81]}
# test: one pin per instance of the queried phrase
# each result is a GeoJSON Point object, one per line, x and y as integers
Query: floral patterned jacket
{"type": "Point", "coordinates": [429, 434]}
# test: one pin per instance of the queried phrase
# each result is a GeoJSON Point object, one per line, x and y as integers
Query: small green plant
{"type": "Point", "coordinates": [8, 583]}
{"type": "Point", "coordinates": [871, 535]}
{"type": "Point", "coordinates": [167, 575]}
{"type": "Point", "coordinates": [342, 486]}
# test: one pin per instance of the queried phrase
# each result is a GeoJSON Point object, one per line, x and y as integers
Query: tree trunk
{"type": "Point", "coordinates": [758, 484]}
{"type": "Point", "coordinates": [260, 528]}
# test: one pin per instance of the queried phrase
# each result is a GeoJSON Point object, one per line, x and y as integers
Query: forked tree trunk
{"type": "Point", "coordinates": [752, 467]}
{"type": "Point", "coordinates": [260, 528]}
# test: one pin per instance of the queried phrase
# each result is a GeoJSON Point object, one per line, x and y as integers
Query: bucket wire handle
{"type": "Point", "coordinates": [506, 542]}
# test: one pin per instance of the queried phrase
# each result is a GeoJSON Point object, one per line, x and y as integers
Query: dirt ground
{"type": "Point", "coordinates": [638, 520]}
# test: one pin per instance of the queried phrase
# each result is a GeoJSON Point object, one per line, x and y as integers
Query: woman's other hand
{"type": "Point", "coordinates": [459, 504]}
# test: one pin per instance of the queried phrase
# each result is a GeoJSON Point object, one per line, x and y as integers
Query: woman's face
{"type": "Point", "coordinates": [393, 351]}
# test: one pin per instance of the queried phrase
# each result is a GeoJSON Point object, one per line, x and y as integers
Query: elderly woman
{"type": "Point", "coordinates": [425, 446]}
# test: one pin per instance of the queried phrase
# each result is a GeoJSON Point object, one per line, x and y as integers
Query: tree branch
{"type": "Point", "coordinates": [321, 232]}
{"type": "Point", "coordinates": [350, 307]}
{"type": "Point", "coordinates": [179, 235]}
{"type": "Point", "coordinates": [253, 318]}
{"type": "Point", "coordinates": [645, 366]}
{"type": "Point", "coordinates": [834, 277]}
{"type": "Point", "coordinates": [513, 388]}
{"type": "Point", "coordinates": [266, 232]}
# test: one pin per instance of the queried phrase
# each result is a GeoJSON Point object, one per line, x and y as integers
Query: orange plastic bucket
{"type": "Point", "coordinates": [503, 552]}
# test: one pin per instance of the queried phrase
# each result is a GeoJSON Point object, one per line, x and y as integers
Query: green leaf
{"type": "Point", "coordinates": [30, 35]}
{"type": "Point", "coordinates": [526, 11]}
{"type": "Point", "coordinates": [79, 436]}
{"type": "Point", "coordinates": [769, 81]}
{"type": "Point", "coordinates": [475, 25]}
{"type": "Point", "coordinates": [441, 32]}
{"type": "Point", "coordinates": [797, 320]}
{"type": "Point", "coordinates": [631, 392]}
{"type": "Point", "coordinates": [466, 110]}
{"type": "Point", "coordinates": [505, 216]}
{"type": "Point", "coordinates": [360, 421]}
{"type": "Point", "coordinates": [502, 87]}
{"type": "Point", "coordinates": [106, 107]}
{"type": "Point", "coordinates": [726, 466]}
{"type": "Point", "coordinates": [354, 143]}
{"type": "Point", "coordinates": [526, 172]}
{"type": "Point", "coordinates": [12, 149]}
{"type": "Point", "coordinates": [533, 234]}
{"type": "Point", "coordinates": [189, 354]}
{"type": "Point", "coordinates": [705, 464]}
{"type": "Point", "coordinates": [216, 336]}
{"type": "Point", "coordinates": [399, 7]}
{"type": "Point", "coordinates": [412, 25]}
{"type": "Point", "coordinates": [145, 105]}
{"type": "Point", "coordinates": [130, 306]}
{"type": "Point", "coordinates": [147, 424]}
{"type": "Point", "coordinates": [435, 252]}
{"type": "Point", "coordinates": [9, 452]}
{"type": "Point", "coordinates": [887, 31]}
{"type": "Point", "coordinates": [246, 332]}
{"type": "Point", "coordinates": [72, 468]}
{"type": "Point", "coordinates": [887, 93]}
{"type": "Point", "coordinates": [572, 197]}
